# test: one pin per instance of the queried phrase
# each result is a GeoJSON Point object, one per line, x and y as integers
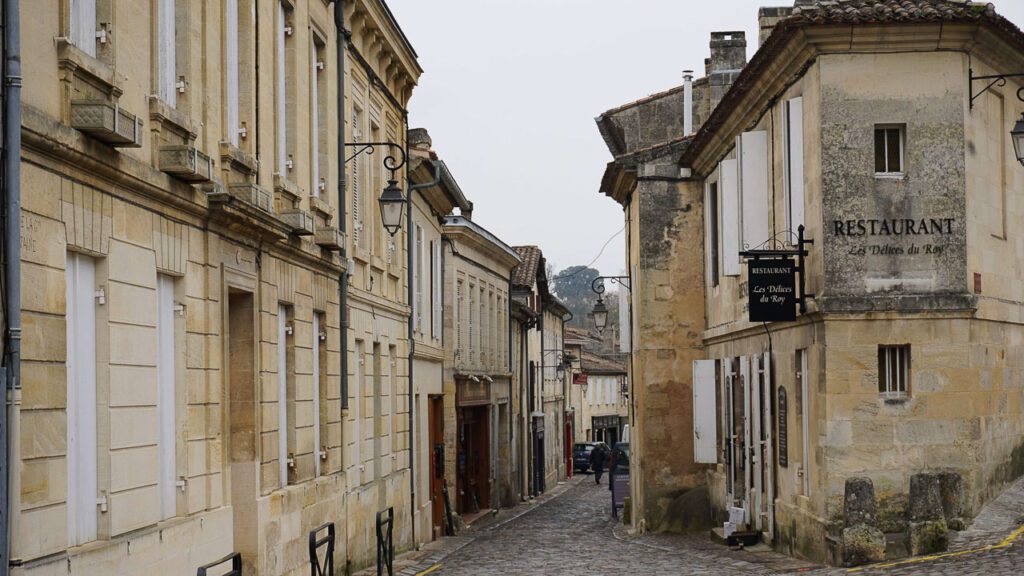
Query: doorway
{"type": "Point", "coordinates": [244, 468]}
{"type": "Point", "coordinates": [474, 460]}
{"type": "Point", "coordinates": [435, 415]}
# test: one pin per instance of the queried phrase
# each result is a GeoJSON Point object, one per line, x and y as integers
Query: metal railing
{"type": "Point", "coordinates": [236, 565]}
{"type": "Point", "coordinates": [327, 541]}
{"type": "Point", "coordinates": [385, 546]}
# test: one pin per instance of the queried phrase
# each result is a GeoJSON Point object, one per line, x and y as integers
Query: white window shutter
{"type": "Point", "coordinates": [282, 394]}
{"type": "Point", "coordinates": [437, 304]}
{"type": "Point", "coordinates": [754, 188]}
{"type": "Point", "coordinates": [282, 113]}
{"type": "Point", "coordinates": [422, 288]}
{"type": "Point", "coordinates": [730, 233]}
{"type": "Point", "coordinates": [231, 65]}
{"type": "Point", "coordinates": [82, 483]}
{"type": "Point", "coordinates": [83, 25]}
{"type": "Point", "coordinates": [166, 397]}
{"type": "Point", "coordinates": [167, 55]}
{"type": "Point", "coordinates": [624, 329]}
{"type": "Point", "coordinates": [705, 431]}
{"type": "Point", "coordinates": [318, 440]}
{"type": "Point", "coordinates": [795, 155]}
{"type": "Point", "coordinates": [314, 113]}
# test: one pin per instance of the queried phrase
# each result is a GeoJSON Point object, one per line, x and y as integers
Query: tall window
{"type": "Point", "coordinates": [458, 318]}
{"type": "Point", "coordinates": [318, 111]}
{"type": "Point", "coordinates": [83, 25]}
{"type": "Point", "coordinates": [81, 398]}
{"type": "Point", "coordinates": [231, 71]}
{"type": "Point", "coordinates": [319, 393]}
{"type": "Point", "coordinates": [889, 150]}
{"type": "Point", "coordinates": [357, 413]}
{"type": "Point", "coordinates": [712, 226]}
{"type": "Point", "coordinates": [166, 396]}
{"type": "Point", "coordinates": [894, 371]}
{"type": "Point", "coordinates": [357, 215]}
{"type": "Point", "coordinates": [284, 333]}
{"type": "Point", "coordinates": [283, 31]}
{"type": "Point", "coordinates": [167, 54]}
{"type": "Point", "coordinates": [793, 162]}
{"type": "Point", "coordinates": [472, 315]}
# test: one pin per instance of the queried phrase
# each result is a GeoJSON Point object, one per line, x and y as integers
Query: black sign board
{"type": "Point", "coordinates": [783, 429]}
{"type": "Point", "coordinates": [772, 284]}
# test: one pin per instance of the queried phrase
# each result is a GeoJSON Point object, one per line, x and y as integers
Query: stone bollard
{"type": "Point", "coordinates": [862, 542]}
{"type": "Point", "coordinates": [927, 532]}
{"type": "Point", "coordinates": [951, 485]}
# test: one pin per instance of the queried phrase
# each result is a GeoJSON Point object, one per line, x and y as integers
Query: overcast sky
{"type": "Point", "coordinates": [511, 88]}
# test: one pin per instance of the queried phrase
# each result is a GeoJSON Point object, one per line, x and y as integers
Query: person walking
{"type": "Point", "coordinates": [597, 457]}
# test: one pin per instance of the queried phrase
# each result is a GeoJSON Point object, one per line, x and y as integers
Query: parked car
{"type": "Point", "coordinates": [581, 454]}
{"type": "Point", "coordinates": [620, 457]}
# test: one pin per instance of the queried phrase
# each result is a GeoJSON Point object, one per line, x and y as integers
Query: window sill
{"type": "Point", "coordinates": [890, 175]}
{"type": "Point", "coordinates": [76, 61]}
{"type": "Point", "coordinates": [894, 398]}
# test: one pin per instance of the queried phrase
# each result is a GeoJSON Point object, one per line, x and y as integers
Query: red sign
{"type": "Point", "coordinates": [579, 379]}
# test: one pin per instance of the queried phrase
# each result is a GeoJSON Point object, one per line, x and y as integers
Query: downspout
{"type": "Point", "coordinates": [565, 407]}
{"type": "Point", "coordinates": [340, 41]}
{"type": "Point", "coordinates": [12, 259]}
{"type": "Point", "coordinates": [543, 472]}
{"type": "Point", "coordinates": [343, 34]}
{"type": "Point", "coordinates": [410, 292]}
{"type": "Point", "coordinates": [524, 477]}
{"type": "Point", "coordinates": [511, 387]}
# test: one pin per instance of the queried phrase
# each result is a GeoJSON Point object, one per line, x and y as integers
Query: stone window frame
{"type": "Point", "coordinates": [894, 371]}
{"type": "Point", "coordinates": [884, 130]}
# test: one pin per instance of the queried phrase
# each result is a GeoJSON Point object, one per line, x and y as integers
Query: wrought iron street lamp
{"type": "Point", "coordinates": [392, 207]}
{"type": "Point", "coordinates": [392, 201]}
{"type": "Point", "coordinates": [1017, 135]}
{"type": "Point", "coordinates": [600, 310]}
{"type": "Point", "coordinates": [600, 315]}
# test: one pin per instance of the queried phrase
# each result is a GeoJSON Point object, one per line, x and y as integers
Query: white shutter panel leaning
{"type": "Point", "coordinates": [705, 440]}
{"type": "Point", "coordinates": [754, 188]}
{"type": "Point", "coordinates": [416, 273]}
{"type": "Point", "coordinates": [795, 171]}
{"type": "Point", "coordinates": [727, 179]}
{"type": "Point", "coordinates": [438, 305]}
{"type": "Point", "coordinates": [83, 25]}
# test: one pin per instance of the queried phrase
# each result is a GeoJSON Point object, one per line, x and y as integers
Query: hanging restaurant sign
{"type": "Point", "coordinates": [772, 285]}
{"type": "Point", "coordinates": [579, 379]}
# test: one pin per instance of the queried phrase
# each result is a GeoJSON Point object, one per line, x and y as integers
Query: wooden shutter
{"type": "Point", "coordinates": [231, 64]}
{"type": "Point", "coordinates": [83, 25]}
{"type": "Point", "coordinates": [167, 54]}
{"type": "Point", "coordinates": [705, 438]}
{"type": "Point", "coordinates": [81, 398]}
{"type": "Point", "coordinates": [282, 393]}
{"type": "Point", "coordinates": [795, 163]}
{"type": "Point", "coordinates": [314, 112]}
{"type": "Point", "coordinates": [318, 440]}
{"type": "Point", "coordinates": [729, 184]}
{"type": "Point", "coordinates": [437, 305]}
{"type": "Point", "coordinates": [754, 188]}
{"type": "Point", "coordinates": [166, 396]}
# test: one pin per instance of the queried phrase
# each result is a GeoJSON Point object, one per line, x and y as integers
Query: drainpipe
{"type": "Point", "coordinates": [409, 245]}
{"type": "Point", "coordinates": [343, 34]}
{"type": "Point", "coordinates": [12, 259]}
{"type": "Point", "coordinates": [341, 39]}
{"type": "Point", "coordinates": [687, 102]}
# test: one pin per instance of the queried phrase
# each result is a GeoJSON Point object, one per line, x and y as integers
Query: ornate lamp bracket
{"type": "Point", "coordinates": [993, 80]}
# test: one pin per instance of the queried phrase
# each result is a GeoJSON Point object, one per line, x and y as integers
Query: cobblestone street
{"type": "Point", "coordinates": [575, 534]}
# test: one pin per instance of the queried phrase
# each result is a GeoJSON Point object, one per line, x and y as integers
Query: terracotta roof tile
{"type": "Point", "coordinates": [524, 275]}
{"type": "Point", "coordinates": [592, 363]}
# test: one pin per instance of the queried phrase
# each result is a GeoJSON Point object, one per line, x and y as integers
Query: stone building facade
{"type": "Point", "coordinates": [905, 368]}
{"type": "Point", "coordinates": [186, 361]}
{"type": "Point", "coordinates": [478, 421]}
{"type": "Point", "coordinates": [546, 420]}
{"type": "Point", "coordinates": [664, 303]}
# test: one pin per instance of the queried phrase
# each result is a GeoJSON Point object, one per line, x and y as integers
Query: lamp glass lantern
{"type": "Point", "coordinates": [600, 315]}
{"type": "Point", "coordinates": [560, 371]}
{"type": "Point", "coordinates": [392, 207]}
{"type": "Point", "coordinates": [1017, 135]}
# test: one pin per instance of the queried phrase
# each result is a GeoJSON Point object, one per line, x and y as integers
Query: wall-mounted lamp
{"type": "Point", "coordinates": [600, 310]}
{"type": "Point", "coordinates": [392, 200]}
{"type": "Point", "coordinates": [1017, 135]}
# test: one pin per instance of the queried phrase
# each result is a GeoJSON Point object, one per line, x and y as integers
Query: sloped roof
{"type": "Point", "coordinates": [863, 11]}
{"type": "Point", "coordinates": [848, 12]}
{"type": "Point", "coordinates": [574, 333]}
{"type": "Point", "coordinates": [524, 275]}
{"type": "Point", "coordinates": [594, 364]}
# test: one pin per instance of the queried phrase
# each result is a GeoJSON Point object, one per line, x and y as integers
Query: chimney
{"type": "Point", "coordinates": [768, 18]}
{"type": "Point", "coordinates": [728, 57]}
{"type": "Point", "coordinates": [419, 139]}
{"type": "Point", "coordinates": [687, 102]}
